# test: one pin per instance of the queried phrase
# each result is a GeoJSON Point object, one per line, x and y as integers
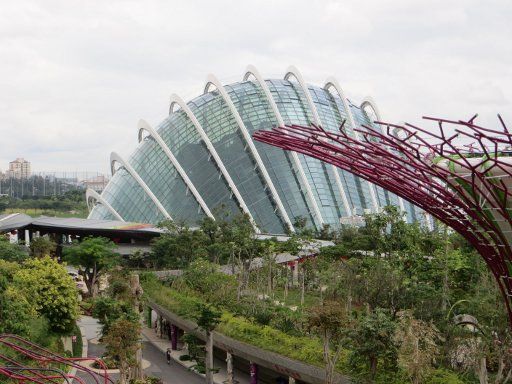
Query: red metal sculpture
{"type": "Point", "coordinates": [46, 364]}
{"type": "Point", "coordinates": [459, 172]}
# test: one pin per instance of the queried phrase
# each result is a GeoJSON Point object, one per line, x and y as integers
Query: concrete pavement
{"type": "Point", "coordinates": [173, 373]}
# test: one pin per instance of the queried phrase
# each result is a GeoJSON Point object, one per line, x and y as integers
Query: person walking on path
{"type": "Point", "coordinates": [168, 355]}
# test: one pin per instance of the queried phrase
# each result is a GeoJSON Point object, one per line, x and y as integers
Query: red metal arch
{"type": "Point", "coordinates": [467, 187]}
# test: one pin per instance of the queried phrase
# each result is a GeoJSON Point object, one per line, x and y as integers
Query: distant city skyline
{"type": "Point", "coordinates": [76, 79]}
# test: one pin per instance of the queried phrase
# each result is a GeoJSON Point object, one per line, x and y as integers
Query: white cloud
{"type": "Point", "coordinates": [76, 76]}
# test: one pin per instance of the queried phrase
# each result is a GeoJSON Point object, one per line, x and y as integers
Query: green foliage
{"type": "Point", "coordinates": [301, 348]}
{"type": "Point", "coordinates": [374, 273]}
{"type": "Point", "coordinates": [207, 317]}
{"type": "Point", "coordinates": [94, 255]}
{"type": "Point", "coordinates": [108, 310]}
{"type": "Point", "coordinates": [11, 252]}
{"type": "Point", "coordinates": [42, 246]}
{"type": "Point", "coordinates": [69, 204]}
{"type": "Point", "coordinates": [122, 343]}
{"type": "Point", "coordinates": [206, 278]}
{"type": "Point", "coordinates": [443, 376]}
{"type": "Point", "coordinates": [51, 290]}
{"type": "Point", "coordinates": [15, 312]}
{"type": "Point", "coordinates": [78, 344]}
{"type": "Point", "coordinates": [372, 340]}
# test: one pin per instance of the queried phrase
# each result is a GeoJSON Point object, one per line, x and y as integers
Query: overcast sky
{"type": "Point", "coordinates": [75, 76]}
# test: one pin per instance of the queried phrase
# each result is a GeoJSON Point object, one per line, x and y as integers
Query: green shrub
{"type": "Point", "coordinates": [78, 344]}
{"type": "Point", "coordinates": [443, 376]}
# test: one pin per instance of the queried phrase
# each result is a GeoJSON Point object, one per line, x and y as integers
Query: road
{"type": "Point", "coordinates": [173, 373]}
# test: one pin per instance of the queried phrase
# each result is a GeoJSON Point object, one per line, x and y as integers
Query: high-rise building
{"type": "Point", "coordinates": [19, 169]}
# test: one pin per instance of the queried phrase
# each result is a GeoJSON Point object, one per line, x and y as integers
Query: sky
{"type": "Point", "coordinates": [76, 76]}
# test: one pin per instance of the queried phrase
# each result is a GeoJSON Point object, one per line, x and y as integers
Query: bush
{"type": "Point", "coordinates": [442, 376]}
{"type": "Point", "coordinates": [78, 344]}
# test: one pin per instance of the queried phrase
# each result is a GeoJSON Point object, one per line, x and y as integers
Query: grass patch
{"type": "Point", "coordinates": [35, 212]}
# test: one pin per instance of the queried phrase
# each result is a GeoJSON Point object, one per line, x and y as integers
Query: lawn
{"type": "Point", "coordinates": [35, 212]}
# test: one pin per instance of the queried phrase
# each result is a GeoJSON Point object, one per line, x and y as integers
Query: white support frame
{"type": "Point", "coordinates": [332, 82]}
{"type": "Point", "coordinates": [143, 125]}
{"type": "Point", "coordinates": [292, 71]}
{"type": "Point", "coordinates": [212, 80]}
{"type": "Point", "coordinates": [175, 99]}
{"type": "Point", "coordinates": [368, 101]}
{"type": "Point", "coordinates": [114, 157]}
{"type": "Point", "coordinates": [251, 70]}
{"type": "Point", "coordinates": [92, 194]}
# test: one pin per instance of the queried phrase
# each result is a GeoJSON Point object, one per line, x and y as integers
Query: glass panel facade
{"type": "Point", "coordinates": [154, 167]}
{"type": "Point", "coordinates": [128, 199]}
{"type": "Point", "coordinates": [182, 138]}
{"type": "Point", "coordinates": [185, 143]}
{"type": "Point", "coordinates": [100, 212]}
{"type": "Point", "coordinates": [292, 105]}
{"type": "Point", "coordinates": [332, 114]}
{"type": "Point", "coordinates": [256, 113]}
{"type": "Point", "coordinates": [383, 196]}
{"type": "Point", "coordinates": [219, 124]}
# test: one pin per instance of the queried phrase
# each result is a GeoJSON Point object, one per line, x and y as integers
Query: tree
{"type": "Point", "coordinates": [418, 348]}
{"type": "Point", "coordinates": [42, 246]}
{"type": "Point", "coordinates": [122, 343]}
{"type": "Point", "coordinates": [330, 321]}
{"type": "Point", "coordinates": [15, 310]}
{"type": "Point", "coordinates": [11, 252]}
{"type": "Point", "coordinates": [51, 290]}
{"type": "Point", "coordinates": [109, 310]}
{"type": "Point", "coordinates": [373, 340]}
{"type": "Point", "coordinates": [94, 255]}
{"type": "Point", "coordinates": [207, 318]}
{"type": "Point", "coordinates": [178, 246]}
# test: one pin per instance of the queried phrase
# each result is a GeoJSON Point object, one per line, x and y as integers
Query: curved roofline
{"type": "Point", "coordinates": [92, 194]}
{"type": "Point", "coordinates": [292, 71]}
{"type": "Point", "coordinates": [212, 80]}
{"type": "Point", "coordinates": [114, 157]}
{"type": "Point", "coordinates": [368, 101]}
{"type": "Point", "coordinates": [251, 70]}
{"type": "Point", "coordinates": [175, 99]}
{"type": "Point", "coordinates": [143, 125]}
{"type": "Point", "coordinates": [333, 82]}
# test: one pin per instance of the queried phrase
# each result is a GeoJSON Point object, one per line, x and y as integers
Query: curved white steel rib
{"type": "Point", "coordinates": [332, 82]}
{"type": "Point", "coordinates": [92, 194]}
{"type": "Point", "coordinates": [175, 99]}
{"type": "Point", "coordinates": [368, 101]}
{"type": "Point", "coordinates": [114, 157]}
{"type": "Point", "coordinates": [251, 70]}
{"type": "Point", "coordinates": [292, 71]}
{"type": "Point", "coordinates": [143, 125]}
{"type": "Point", "coordinates": [212, 80]}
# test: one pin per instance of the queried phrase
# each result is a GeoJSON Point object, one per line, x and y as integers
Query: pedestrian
{"type": "Point", "coordinates": [168, 355]}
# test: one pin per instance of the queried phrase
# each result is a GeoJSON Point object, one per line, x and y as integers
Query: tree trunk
{"type": "Point", "coordinates": [286, 285]}
{"type": "Point", "coordinates": [481, 371]}
{"type": "Point", "coordinates": [509, 375]}
{"type": "Point", "coordinates": [208, 363]}
{"type": "Point", "coordinates": [137, 372]}
{"type": "Point", "coordinates": [303, 286]}
{"type": "Point", "coordinates": [444, 303]}
{"type": "Point", "coordinates": [373, 367]}
{"type": "Point", "coordinates": [499, 374]}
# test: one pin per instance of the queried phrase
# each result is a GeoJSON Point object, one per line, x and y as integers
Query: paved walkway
{"type": "Point", "coordinates": [173, 373]}
{"type": "Point", "coordinates": [162, 344]}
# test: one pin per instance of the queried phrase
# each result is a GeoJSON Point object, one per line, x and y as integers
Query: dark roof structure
{"type": "Point", "coordinates": [79, 227]}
